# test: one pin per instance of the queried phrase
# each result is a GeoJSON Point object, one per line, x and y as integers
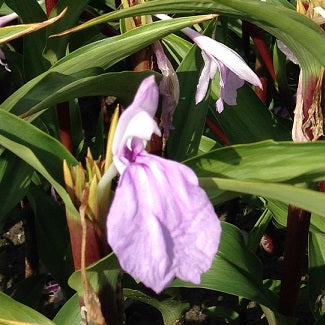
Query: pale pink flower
{"type": "Point", "coordinates": [217, 56]}
{"type": "Point", "coordinates": [161, 224]}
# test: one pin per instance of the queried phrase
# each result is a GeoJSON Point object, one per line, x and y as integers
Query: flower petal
{"type": "Point", "coordinates": [229, 83]}
{"type": "Point", "coordinates": [208, 72]}
{"type": "Point", "coordinates": [224, 54]}
{"type": "Point", "coordinates": [137, 120]}
{"type": "Point", "coordinates": [4, 20]}
{"type": "Point", "coordinates": [3, 61]}
{"type": "Point", "coordinates": [169, 227]}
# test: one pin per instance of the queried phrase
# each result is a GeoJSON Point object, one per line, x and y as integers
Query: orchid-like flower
{"type": "Point", "coordinates": [161, 224]}
{"type": "Point", "coordinates": [217, 56]}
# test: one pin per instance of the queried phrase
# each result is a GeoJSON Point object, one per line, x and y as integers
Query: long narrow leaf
{"type": "Point", "coordinates": [302, 198]}
{"type": "Point", "coordinates": [287, 25]}
{"type": "Point", "coordinates": [38, 149]}
{"type": "Point", "coordinates": [9, 33]}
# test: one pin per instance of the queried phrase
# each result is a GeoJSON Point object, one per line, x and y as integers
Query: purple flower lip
{"type": "Point", "coordinates": [161, 224]}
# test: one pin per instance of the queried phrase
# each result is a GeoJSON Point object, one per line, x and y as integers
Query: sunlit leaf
{"type": "Point", "coordinates": [281, 21]}
{"type": "Point", "coordinates": [9, 33]}
{"type": "Point", "coordinates": [15, 313]}
{"type": "Point", "coordinates": [69, 314]}
{"type": "Point", "coordinates": [302, 198]}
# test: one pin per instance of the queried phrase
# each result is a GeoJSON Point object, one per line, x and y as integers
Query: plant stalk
{"type": "Point", "coordinates": [294, 254]}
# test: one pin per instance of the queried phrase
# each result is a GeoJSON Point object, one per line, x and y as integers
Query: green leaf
{"type": "Point", "coordinates": [235, 270]}
{"type": "Point", "coordinates": [316, 254]}
{"type": "Point", "coordinates": [31, 12]}
{"type": "Point", "coordinates": [171, 310]}
{"type": "Point", "coordinates": [56, 47]}
{"type": "Point", "coordinates": [38, 149]}
{"type": "Point", "coordinates": [15, 176]}
{"type": "Point", "coordinates": [103, 54]}
{"type": "Point", "coordinates": [275, 318]}
{"type": "Point", "coordinates": [249, 120]}
{"type": "Point", "coordinates": [56, 87]}
{"type": "Point", "coordinates": [305, 199]}
{"type": "Point", "coordinates": [69, 314]}
{"type": "Point", "coordinates": [280, 213]}
{"type": "Point", "coordinates": [9, 33]}
{"type": "Point", "coordinates": [264, 161]}
{"type": "Point", "coordinates": [285, 24]}
{"type": "Point", "coordinates": [177, 47]}
{"type": "Point", "coordinates": [255, 235]}
{"type": "Point", "coordinates": [53, 238]}
{"type": "Point", "coordinates": [11, 310]}
{"type": "Point", "coordinates": [207, 144]}
{"type": "Point", "coordinates": [102, 275]}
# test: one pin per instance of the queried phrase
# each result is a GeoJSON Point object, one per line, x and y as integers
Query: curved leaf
{"type": "Point", "coordinates": [69, 314]}
{"type": "Point", "coordinates": [15, 176]}
{"type": "Point", "coordinates": [284, 23]}
{"type": "Point", "coordinates": [56, 88]}
{"type": "Point", "coordinates": [264, 161]}
{"type": "Point", "coordinates": [14, 313]}
{"type": "Point", "coordinates": [44, 153]}
{"type": "Point", "coordinates": [9, 33]}
{"type": "Point", "coordinates": [302, 198]}
{"type": "Point", "coordinates": [105, 53]}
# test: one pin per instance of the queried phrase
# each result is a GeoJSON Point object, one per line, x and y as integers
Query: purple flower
{"type": "Point", "coordinates": [161, 224]}
{"type": "Point", "coordinates": [217, 56]}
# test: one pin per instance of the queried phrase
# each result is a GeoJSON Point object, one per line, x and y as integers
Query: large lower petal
{"type": "Point", "coordinates": [161, 224]}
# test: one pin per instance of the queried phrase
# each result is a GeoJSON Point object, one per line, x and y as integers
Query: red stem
{"type": "Point", "coordinates": [50, 4]}
{"type": "Point", "coordinates": [63, 108]}
{"type": "Point", "coordinates": [263, 50]}
{"type": "Point", "coordinates": [217, 132]}
{"type": "Point", "coordinates": [322, 186]}
{"type": "Point", "coordinates": [294, 253]}
{"type": "Point", "coordinates": [64, 125]}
